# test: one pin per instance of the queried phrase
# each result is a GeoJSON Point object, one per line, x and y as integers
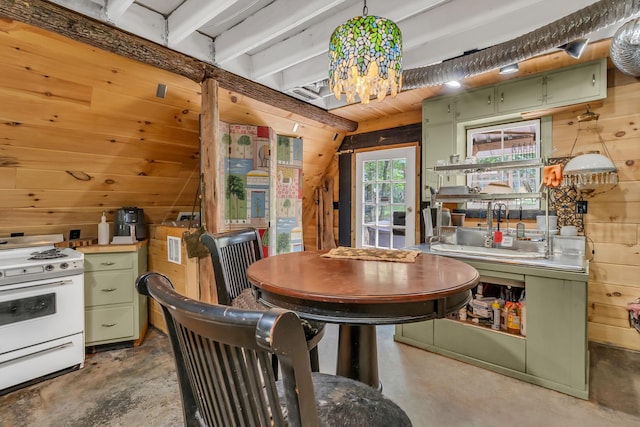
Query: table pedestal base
{"type": "Point", "coordinates": [358, 354]}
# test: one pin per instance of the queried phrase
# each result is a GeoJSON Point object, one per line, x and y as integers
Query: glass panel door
{"type": "Point", "coordinates": [385, 198]}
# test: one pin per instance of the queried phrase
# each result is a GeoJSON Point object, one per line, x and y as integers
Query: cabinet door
{"type": "Point", "coordinates": [520, 95]}
{"type": "Point", "coordinates": [556, 322]}
{"type": "Point", "coordinates": [475, 104]}
{"type": "Point", "coordinates": [438, 110]}
{"type": "Point", "coordinates": [437, 144]}
{"type": "Point", "coordinates": [580, 84]}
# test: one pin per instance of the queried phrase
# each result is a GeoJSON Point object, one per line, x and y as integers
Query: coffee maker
{"type": "Point", "coordinates": [127, 217]}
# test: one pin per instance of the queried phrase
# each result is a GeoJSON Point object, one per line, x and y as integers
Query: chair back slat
{"type": "Point", "coordinates": [231, 254]}
{"type": "Point", "coordinates": [223, 361]}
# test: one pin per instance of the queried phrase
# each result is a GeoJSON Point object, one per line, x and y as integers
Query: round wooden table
{"type": "Point", "coordinates": [360, 294]}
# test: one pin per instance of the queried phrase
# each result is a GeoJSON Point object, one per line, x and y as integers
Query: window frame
{"type": "Point", "coordinates": [519, 152]}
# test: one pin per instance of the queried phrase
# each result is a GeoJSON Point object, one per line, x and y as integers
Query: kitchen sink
{"type": "Point", "coordinates": [481, 250]}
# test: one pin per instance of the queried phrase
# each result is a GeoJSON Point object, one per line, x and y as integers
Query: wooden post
{"type": "Point", "coordinates": [210, 204]}
{"type": "Point", "coordinates": [325, 214]}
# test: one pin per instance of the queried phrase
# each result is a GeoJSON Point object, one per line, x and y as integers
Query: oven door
{"type": "Point", "coordinates": [40, 311]}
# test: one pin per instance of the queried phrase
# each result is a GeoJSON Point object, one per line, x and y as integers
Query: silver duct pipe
{"type": "Point", "coordinates": [625, 48]}
{"type": "Point", "coordinates": [574, 26]}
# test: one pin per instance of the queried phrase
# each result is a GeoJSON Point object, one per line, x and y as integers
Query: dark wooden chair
{"type": "Point", "coordinates": [231, 254]}
{"type": "Point", "coordinates": [225, 375]}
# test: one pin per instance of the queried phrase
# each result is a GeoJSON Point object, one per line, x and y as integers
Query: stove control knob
{"type": "Point", "coordinates": [49, 267]}
{"type": "Point", "coordinates": [64, 265]}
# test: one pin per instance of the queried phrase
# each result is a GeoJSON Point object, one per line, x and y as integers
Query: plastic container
{"type": "Point", "coordinates": [541, 222]}
{"type": "Point", "coordinates": [103, 230]}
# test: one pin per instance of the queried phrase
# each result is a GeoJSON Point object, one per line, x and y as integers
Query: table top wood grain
{"type": "Point", "coordinates": [361, 291]}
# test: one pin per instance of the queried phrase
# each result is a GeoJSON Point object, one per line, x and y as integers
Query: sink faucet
{"type": "Point", "coordinates": [488, 238]}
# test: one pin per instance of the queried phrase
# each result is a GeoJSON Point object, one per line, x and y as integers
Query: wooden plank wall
{"type": "Point", "coordinates": [83, 132]}
{"type": "Point", "coordinates": [612, 223]}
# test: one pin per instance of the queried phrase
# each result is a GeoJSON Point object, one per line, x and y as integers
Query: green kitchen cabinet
{"type": "Point", "coordinates": [438, 110]}
{"type": "Point", "coordinates": [557, 331]}
{"type": "Point", "coordinates": [437, 138]}
{"type": "Point", "coordinates": [554, 352]}
{"type": "Point", "coordinates": [114, 310]}
{"type": "Point", "coordinates": [520, 95]}
{"type": "Point", "coordinates": [584, 83]}
{"type": "Point", "coordinates": [475, 103]}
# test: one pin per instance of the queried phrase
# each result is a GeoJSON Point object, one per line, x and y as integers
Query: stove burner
{"type": "Point", "coordinates": [48, 254]}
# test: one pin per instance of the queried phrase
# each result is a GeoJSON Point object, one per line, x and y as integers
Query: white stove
{"type": "Point", "coordinates": [41, 310]}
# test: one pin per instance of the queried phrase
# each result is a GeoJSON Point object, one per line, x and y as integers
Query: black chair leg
{"type": "Point", "coordinates": [313, 356]}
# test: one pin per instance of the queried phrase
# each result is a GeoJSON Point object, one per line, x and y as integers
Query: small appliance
{"type": "Point", "coordinates": [128, 216]}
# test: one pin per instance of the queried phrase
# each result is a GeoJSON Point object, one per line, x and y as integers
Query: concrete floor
{"type": "Point", "coordinates": [137, 387]}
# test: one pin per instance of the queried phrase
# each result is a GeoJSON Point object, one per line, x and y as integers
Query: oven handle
{"type": "Point", "coordinates": [58, 283]}
{"type": "Point", "coordinates": [39, 353]}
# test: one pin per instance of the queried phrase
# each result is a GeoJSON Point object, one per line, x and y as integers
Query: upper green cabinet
{"type": "Point", "coordinates": [520, 95]}
{"type": "Point", "coordinates": [580, 84]}
{"type": "Point", "coordinates": [436, 111]}
{"type": "Point", "coordinates": [475, 103]}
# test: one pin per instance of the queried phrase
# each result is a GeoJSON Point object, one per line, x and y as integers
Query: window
{"type": "Point", "coordinates": [504, 143]}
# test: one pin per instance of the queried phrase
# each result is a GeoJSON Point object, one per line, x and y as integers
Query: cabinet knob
{"type": "Point", "coordinates": [501, 96]}
{"type": "Point", "coordinates": [593, 79]}
{"type": "Point", "coordinates": [108, 325]}
{"type": "Point", "coordinates": [107, 263]}
{"type": "Point", "coordinates": [108, 289]}
{"type": "Point", "coordinates": [489, 100]}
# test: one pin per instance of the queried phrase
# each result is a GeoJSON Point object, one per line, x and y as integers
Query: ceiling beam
{"type": "Point", "coordinates": [314, 41]}
{"type": "Point", "coordinates": [191, 15]}
{"type": "Point", "coordinates": [268, 23]}
{"type": "Point", "coordinates": [70, 24]}
{"type": "Point", "coordinates": [116, 8]}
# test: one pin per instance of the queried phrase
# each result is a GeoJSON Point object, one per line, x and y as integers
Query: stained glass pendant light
{"type": "Point", "coordinates": [365, 56]}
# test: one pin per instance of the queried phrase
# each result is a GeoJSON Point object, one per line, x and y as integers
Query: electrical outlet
{"type": "Point", "coordinates": [581, 207]}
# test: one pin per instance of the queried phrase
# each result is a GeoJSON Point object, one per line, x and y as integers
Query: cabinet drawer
{"type": "Point", "coordinates": [486, 345]}
{"type": "Point", "coordinates": [108, 324]}
{"type": "Point", "coordinates": [108, 287]}
{"type": "Point", "coordinates": [111, 261]}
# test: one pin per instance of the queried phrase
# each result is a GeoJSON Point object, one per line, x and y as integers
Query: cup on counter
{"type": "Point", "coordinates": [454, 159]}
{"type": "Point", "coordinates": [569, 230]}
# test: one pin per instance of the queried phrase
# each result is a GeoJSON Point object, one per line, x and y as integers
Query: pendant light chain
{"type": "Point", "coordinates": [365, 9]}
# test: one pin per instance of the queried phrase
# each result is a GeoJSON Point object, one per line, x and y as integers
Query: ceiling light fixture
{"type": "Point", "coordinates": [575, 48]}
{"type": "Point", "coordinates": [453, 84]}
{"type": "Point", "coordinates": [510, 69]}
{"type": "Point", "coordinates": [295, 127]}
{"type": "Point", "coordinates": [365, 58]}
{"type": "Point", "coordinates": [591, 173]}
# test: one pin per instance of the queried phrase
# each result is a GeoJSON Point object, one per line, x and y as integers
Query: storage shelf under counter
{"type": "Point", "coordinates": [114, 311]}
{"type": "Point", "coordinates": [554, 352]}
